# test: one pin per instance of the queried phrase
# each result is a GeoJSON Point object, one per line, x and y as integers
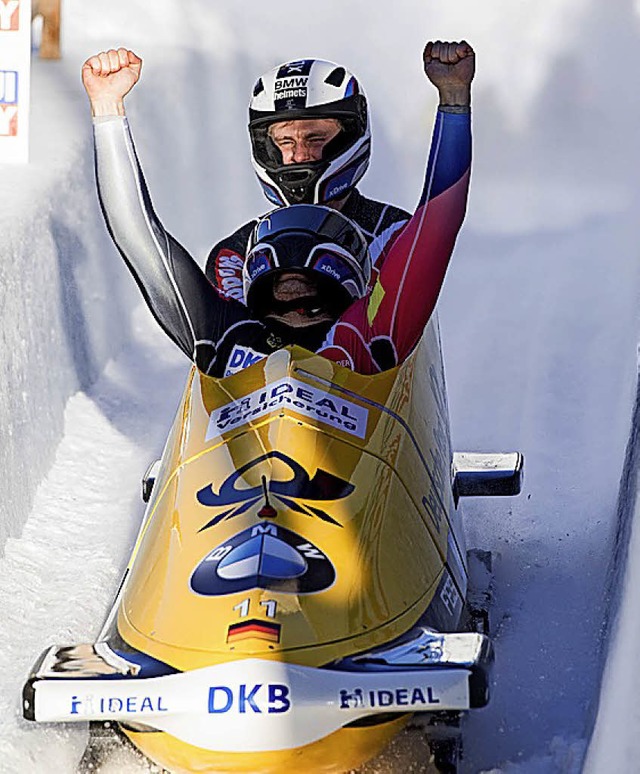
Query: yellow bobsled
{"type": "Point", "coordinates": [298, 585]}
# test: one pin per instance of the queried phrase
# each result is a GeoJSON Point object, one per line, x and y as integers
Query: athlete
{"type": "Point", "coordinates": [307, 274]}
{"type": "Point", "coordinates": [311, 143]}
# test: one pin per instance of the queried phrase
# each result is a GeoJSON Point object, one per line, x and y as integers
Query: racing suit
{"type": "Point", "coordinates": [220, 336]}
{"type": "Point", "coordinates": [378, 222]}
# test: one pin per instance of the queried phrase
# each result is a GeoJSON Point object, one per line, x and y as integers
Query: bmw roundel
{"type": "Point", "coordinates": [264, 556]}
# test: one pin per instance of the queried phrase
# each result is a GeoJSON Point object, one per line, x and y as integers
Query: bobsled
{"type": "Point", "coordinates": [299, 584]}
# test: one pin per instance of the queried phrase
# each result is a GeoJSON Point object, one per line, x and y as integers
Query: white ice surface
{"type": "Point", "coordinates": [539, 317]}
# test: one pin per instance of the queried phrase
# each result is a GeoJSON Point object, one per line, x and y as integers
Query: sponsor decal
{"type": "Point", "coordinates": [287, 480]}
{"type": "Point", "coordinates": [8, 103]}
{"type": "Point", "coordinates": [415, 698]}
{"type": "Point", "coordinates": [258, 698]}
{"type": "Point", "coordinates": [241, 358]}
{"type": "Point", "coordinates": [335, 266]}
{"type": "Point", "coordinates": [449, 595]}
{"type": "Point", "coordinates": [330, 270]}
{"type": "Point", "coordinates": [228, 268]}
{"type": "Point", "coordinates": [343, 178]}
{"type": "Point", "coordinates": [254, 628]}
{"type": "Point", "coordinates": [292, 394]}
{"type": "Point", "coordinates": [434, 508]}
{"type": "Point", "coordinates": [290, 86]}
{"type": "Point", "coordinates": [273, 341]}
{"type": "Point", "coordinates": [299, 67]}
{"type": "Point", "coordinates": [9, 15]}
{"type": "Point", "coordinates": [338, 189]}
{"type": "Point", "coordinates": [267, 557]}
{"type": "Point", "coordinates": [259, 265]}
{"type": "Point", "coordinates": [132, 705]}
{"type": "Point", "coordinates": [294, 82]}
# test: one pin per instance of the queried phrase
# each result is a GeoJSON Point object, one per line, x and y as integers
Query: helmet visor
{"type": "Point", "coordinates": [329, 260]}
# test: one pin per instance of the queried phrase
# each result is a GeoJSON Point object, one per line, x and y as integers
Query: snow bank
{"type": "Point", "coordinates": [56, 337]}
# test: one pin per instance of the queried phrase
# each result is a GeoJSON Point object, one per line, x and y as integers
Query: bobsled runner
{"type": "Point", "coordinates": [298, 587]}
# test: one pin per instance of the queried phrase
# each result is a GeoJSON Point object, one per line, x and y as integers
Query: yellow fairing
{"type": "Point", "coordinates": [356, 469]}
{"type": "Point", "coordinates": [340, 752]}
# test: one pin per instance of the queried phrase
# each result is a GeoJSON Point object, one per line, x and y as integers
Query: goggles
{"type": "Point", "coordinates": [329, 260]}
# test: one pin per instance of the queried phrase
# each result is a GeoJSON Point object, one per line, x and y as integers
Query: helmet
{"type": "Point", "coordinates": [312, 239]}
{"type": "Point", "coordinates": [309, 88]}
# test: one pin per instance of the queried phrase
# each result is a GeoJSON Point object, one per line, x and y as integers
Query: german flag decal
{"type": "Point", "coordinates": [261, 630]}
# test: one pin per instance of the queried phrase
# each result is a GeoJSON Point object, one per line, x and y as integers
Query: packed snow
{"type": "Point", "coordinates": [539, 317]}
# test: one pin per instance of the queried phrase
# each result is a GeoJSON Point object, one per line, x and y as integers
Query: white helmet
{"type": "Point", "coordinates": [306, 89]}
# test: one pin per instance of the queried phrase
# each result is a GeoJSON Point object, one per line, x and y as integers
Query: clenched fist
{"type": "Point", "coordinates": [450, 67]}
{"type": "Point", "coordinates": [108, 77]}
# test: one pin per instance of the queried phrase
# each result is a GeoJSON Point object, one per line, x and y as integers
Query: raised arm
{"type": "Point", "coordinates": [108, 77]}
{"type": "Point", "coordinates": [173, 285]}
{"type": "Point", "coordinates": [379, 331]}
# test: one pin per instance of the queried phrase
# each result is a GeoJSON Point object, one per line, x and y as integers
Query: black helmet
{"type": "Point", "coordinates": [308, 238]}
{"type": "Point", "coordinates": [307, 89]}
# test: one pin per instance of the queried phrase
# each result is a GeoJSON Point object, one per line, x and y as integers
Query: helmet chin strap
{"type": "Point", "coordinates": [295, 181]}
{"type": "Point", "coordinates": [310, 336]}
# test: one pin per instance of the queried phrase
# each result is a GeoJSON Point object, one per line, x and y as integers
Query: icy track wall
{"type": "Point", "coordinates": [54, 341]}
{"type": "Point", "coordinates": [65, 295]}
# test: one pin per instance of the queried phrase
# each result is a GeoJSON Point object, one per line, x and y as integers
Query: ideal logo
{"type": "Point", "coordinates": [9, 15]}
{"type": "Point", "coordinates": [129, 705]}
{"type": "Point", "coordinates": [399, 697]}
{"type": "Point", "coordinates": [322, 406]}
{"type": "Point", "coordinates": [274, 698]}
{"type": "Point", "coordinates": [8, 103]}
